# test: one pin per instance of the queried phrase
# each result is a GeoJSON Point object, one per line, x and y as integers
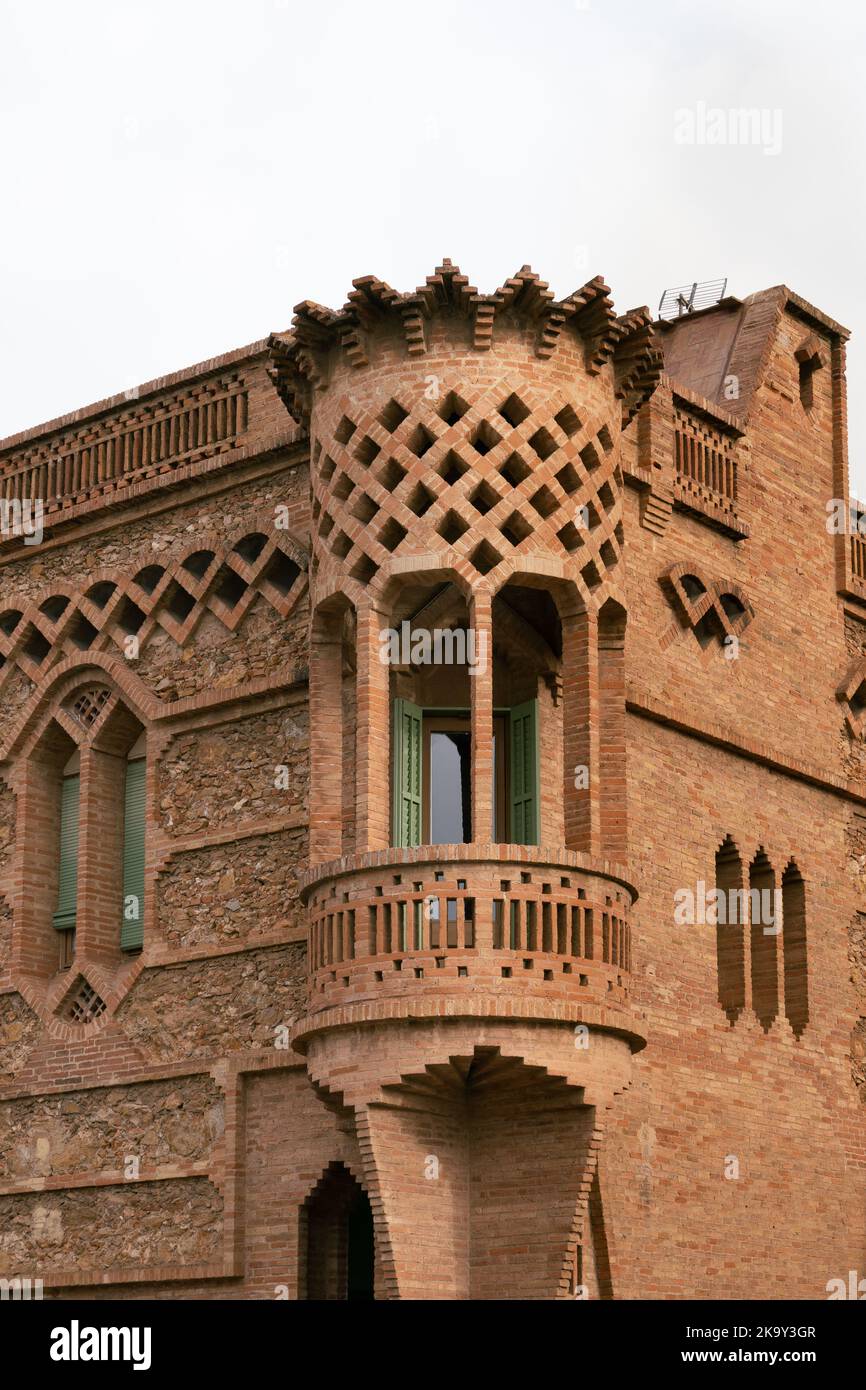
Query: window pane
{"type": "Point", "coordinates": [450, 819]}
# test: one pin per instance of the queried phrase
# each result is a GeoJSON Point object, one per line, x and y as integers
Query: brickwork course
{"type": "Point", "coordinates": [340, 1060]}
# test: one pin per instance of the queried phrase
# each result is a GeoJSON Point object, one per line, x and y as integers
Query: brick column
{"type": "Point", "coordinates": [35, 945]}
{"type": "Point", "coordinates": [481, 715]}
{"type": "Point", "coordinates": [326, 747]}
{"type": "Point", "coordinates": [613, 792]}
{"type": "Point", "coordinates": [372, 736]}
{"type": "Point", "coordinates": [100, 854]}
{"type": "Point", "coordinates": [580, 724]}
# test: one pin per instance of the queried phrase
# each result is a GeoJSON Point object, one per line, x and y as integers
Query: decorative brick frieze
{"type": "Point", "coordinates": [132, 445]}
{"type": "Point", "coordinates": [116, 611]}
{"type": "Point", "coordinates": [712, 608]}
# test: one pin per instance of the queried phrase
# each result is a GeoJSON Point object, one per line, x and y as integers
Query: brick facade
{"type": "Point", "coordinates": [344, 1060]}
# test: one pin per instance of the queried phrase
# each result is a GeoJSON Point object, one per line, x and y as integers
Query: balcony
{"type": "Point", "coordinates": [502, 930]}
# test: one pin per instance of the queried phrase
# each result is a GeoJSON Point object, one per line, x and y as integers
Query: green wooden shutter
{"type": "Point", "coordinates": [524, 774]}
{"type": "Point", "coordinates": [132, 917]}
{"type": "Point", "coordinates": [407, 773]}
{"type": "Point", "coordinates": [67, 886]}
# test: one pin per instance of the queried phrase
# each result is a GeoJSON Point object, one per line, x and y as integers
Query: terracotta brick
{"type": "Point", "coordinates": [473, 1070]}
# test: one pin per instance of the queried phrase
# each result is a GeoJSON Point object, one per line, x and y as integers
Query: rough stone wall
{"type": "Point", "coordinates": [19, 1027]}
{"type": "Point", "coordinates": [215, 659]}
{"type": "Point", "coordinates": [232, 892]}
{"type": "Point", "coordinates": [228, 776]}
{"type": "Point", "coordinates": [209, 1008]}
{"type": "Point", "coordinates": [7, 840]}
{"type": "Point", "coordinates": [166, 1223]}
{"type": "Point", "coordinates": [157, 1122]}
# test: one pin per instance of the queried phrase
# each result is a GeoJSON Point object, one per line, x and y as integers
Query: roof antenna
{"type": "Point", "coordinates": [688, 299]}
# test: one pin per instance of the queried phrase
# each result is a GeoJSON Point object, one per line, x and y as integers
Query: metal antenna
{"type": "Point", "coordinates": [687, 299]}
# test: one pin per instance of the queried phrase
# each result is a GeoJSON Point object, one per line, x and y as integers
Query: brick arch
{"type": "Point", "coordinates": [709, 606]}
{"type": "Point", "coordinates": [79, 1002]}
{"type": "Point", "coordinates": [113, 605]}
{"type": "Point", "coordinates": [418, 572]}
{"type": "Point", "coordinates": [62, 680]}
{"type": "Point", "coordinates": [337, 1236]}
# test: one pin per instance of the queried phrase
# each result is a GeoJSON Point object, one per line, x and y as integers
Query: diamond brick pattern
{"type": "Point", "coordinates": [414, 475]}
{"type": "Point", "coordinates": [852, 696]}
{"type": "Point", "coordinates": [223, 578]}
{"type": "Point", "coordinates": [87, 707]}
{"type": "Point", "coordinates": [82, 1004]}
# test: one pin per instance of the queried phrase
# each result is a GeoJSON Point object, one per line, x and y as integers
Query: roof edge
{"type": "Point", "coordinates": [137, 393]}
{"type": "Point", "coordinates": [804, 309]}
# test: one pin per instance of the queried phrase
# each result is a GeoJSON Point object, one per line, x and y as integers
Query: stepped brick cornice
{"type": "Point", "coordinates": [300, 360]}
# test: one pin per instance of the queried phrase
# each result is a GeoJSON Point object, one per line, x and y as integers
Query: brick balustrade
{"type": "Point", "coordinates": [493, 918]}
{"type": "Point", "coordinates": [130, 446]}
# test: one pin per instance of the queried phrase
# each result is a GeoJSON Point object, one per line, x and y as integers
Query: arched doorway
{"type": "Point", "coordinates": [337, 1240]}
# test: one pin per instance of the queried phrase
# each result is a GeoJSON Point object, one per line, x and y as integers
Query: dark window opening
{"type": "Point", "coordinates": [337, 1240]}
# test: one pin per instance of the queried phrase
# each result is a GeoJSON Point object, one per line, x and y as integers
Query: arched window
{"type": "Point", "coordinates": [132, 923]}
{"type": "Point", "coordinates": [730, 930]}
{"type": "Point", "coordinates": [794, 947]}
{"type": "Point", "coordinates": [65, 914]}
{"type": "Point", "coordinates": [765, 930]}
{"type": "Point", "coordinates": [442, 665]}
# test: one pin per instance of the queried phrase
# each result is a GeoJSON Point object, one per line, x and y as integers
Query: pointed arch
{"type": "Point", "coordinates": [764, 939]}
{"type": "Point", "coordinates": [730, 930]}
{"type": "Point", "coordinates": [794, 948]}
{"type": "Point", "coordinates": [337, 1249]}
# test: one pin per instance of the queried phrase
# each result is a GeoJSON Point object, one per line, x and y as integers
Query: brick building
{"type": "Point", "coordinates": [433, 812]}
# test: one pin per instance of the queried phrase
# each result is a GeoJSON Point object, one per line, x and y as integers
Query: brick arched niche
{"type": "Point", "coordinates": [435, 643]}
{"type": "Point", "coordinates": [336, 1239]}
{"type": "Point", "coordinates": [87, 726]}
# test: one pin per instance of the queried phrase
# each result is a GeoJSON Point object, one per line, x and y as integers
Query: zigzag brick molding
{"type": "Point", "coordinates": [712, 608]}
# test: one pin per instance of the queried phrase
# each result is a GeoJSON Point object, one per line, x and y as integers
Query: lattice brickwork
{"type": "Point", "coordinates": [135, 444]}
{"type": "Point", "coordinates": [705, 461]}
{"type": "Point", "coordinates": [224, 580]}
{"type": "Point", "coordinates": [88, 706]}
{"type": "Point", "coordinates": [82, 1004]}
{"type": "Point", "coordinates": [484, 471]}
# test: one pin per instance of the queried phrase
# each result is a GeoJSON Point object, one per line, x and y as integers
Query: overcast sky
{"type": "Point", "coordinates": [177, 175]}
